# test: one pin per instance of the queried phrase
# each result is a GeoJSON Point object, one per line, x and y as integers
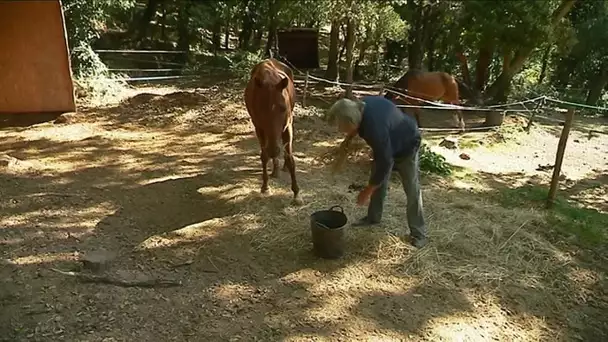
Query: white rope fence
{"type": "Point", "coordinates": [540, 102]}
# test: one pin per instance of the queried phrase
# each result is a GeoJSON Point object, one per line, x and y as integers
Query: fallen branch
{"type": "Point", "coordinates": [103, 279]}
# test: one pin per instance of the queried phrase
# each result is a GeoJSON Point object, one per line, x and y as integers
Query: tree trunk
{"type": "Point", "coordinates": [566, 67]}
{"type": "Point", "coordinates": [430, 52]}
{"type": "Point", "coordinates": [543, 68]}
{"type": "Point", "coordinates": [183, 40]}
{"type": "Point", "coordinates": [365, 44]}
{"type": "Point", "coordinates": [466, 75]}
{"type": "Point", "coordinates": [272, 27]}
{"type": "Point", "coordinates": [350, 46]}
{"type": "Point", "coordinates": [247, 29]}
{"type": "Point", "coordinates": [331, 73]}
{"type": "Point", "coordinates": [484, 60]}
{"type": "Point", "coordinates": [415, 46]}
{"type": "Point", "coordinates": [227, 36]}
{"type": "Point", "coordinates": [376, 60]}
{"type": "Point", "coordinates": [598, 84]}
{"type": "Point", "coordinates": [257, 41]}
{"type": "Point", "coordinates": [516, 64]}
{"type": "Point", "coordinates": [503, 82]}
{"type": "Point", "coordinates": [343, 49]}
{"type": "Point", "coordinates": [147, 16]}
{"type": "Point", "coordinates": [216, 35]}
{"type": "Point", "coordinates": [163, 21]}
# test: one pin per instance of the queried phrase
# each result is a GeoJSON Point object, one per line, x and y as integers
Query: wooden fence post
{"type": "Point", "coordinates": [305, 90]}
{"type": "Point", "coordinates": [561, 147]}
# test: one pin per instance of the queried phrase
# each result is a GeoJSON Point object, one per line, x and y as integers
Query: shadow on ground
{"type": "Point", "coordinates": [186, 206]}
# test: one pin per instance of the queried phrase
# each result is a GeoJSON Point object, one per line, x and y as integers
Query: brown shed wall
{"type": "Point", "coordinates": [35, 73]}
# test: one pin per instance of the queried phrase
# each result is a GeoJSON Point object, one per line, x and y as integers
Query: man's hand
{"type": "Point", "coordinates": [365, 194]}
{"type": "Point", "coordinates": [342, 153]}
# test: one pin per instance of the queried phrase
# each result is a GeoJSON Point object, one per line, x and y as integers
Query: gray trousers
{"type": "Point", "coordinates": [408, 170]}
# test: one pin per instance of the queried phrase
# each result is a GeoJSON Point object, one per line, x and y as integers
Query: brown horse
{"type": "Point", "coordinates": [270, 99]}
{"type": "Point", "coordinates": [430, 86]}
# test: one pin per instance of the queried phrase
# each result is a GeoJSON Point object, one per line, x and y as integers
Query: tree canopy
{"type": "Point", "coordinates": [500, 49]}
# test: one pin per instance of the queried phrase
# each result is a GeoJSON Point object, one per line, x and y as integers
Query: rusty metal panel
{"type": "Point", "coordinates": [300, 46]}
{"type": "Point", "coordinates": [35, 75]}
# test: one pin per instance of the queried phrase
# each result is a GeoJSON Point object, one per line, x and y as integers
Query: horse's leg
{"type": "Point", "coordinates": [275, 168]}
{"type": "Point", "coordinates": [264, 158]}
{"type": "Point", "coordinates": [460, 120]}
{"type": "Point", "coordinates": [290, 163]}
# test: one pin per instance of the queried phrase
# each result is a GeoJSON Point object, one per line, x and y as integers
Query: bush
{"type": "Point", "coordinates": [92, 78]}
{"type": "Point", "coordinates": [431, 162]}
{"type": "Point", "coordinates": [242, 62]}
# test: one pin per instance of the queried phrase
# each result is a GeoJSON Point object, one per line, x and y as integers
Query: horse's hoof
{"type": "Point", "coordinates": [264, 190]}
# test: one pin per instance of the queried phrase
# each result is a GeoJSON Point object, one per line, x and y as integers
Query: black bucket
{"type": "Point", "coordinates": [327, 227]}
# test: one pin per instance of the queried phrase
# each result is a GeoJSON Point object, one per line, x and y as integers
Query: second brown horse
{"type": "Point", "coordinates": [429, 86]}
{"type": "Point", "coordinates": [270, 99]}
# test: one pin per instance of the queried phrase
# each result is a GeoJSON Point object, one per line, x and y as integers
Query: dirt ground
{"type": "Point", "coordinates": [165, 184]}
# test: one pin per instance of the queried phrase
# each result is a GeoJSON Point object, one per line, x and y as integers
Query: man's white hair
{"type": "Point", "coordinates": [346, 111]}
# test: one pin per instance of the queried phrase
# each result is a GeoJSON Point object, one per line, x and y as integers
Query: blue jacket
{"type": "Point", "coordinates": [389, 132]}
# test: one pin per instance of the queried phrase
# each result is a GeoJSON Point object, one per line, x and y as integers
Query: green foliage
{"type": "Point", "coordinates": [507, 21]}
{"type": "Point", "coordinates": [588, 226]}
{"type": "Point", "coordinates": [242, 62]}
{"type": "Point", "coordinates": [431, 162]}
{"type": "Point", "coordinates": [93, 79]}
{"type": "Point", "coordinates": [88, 62]}
{"type": "Point", "coordinates": [578, 43]}
{"type": "Point", "coordinates": [84, 19]}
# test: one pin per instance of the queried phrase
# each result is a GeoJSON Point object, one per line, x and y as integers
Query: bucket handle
{"type": "Point", "coordinates": [337, 206]}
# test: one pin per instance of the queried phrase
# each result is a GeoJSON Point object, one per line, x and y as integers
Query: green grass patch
{"type": "Point", "coordinates": [432, 162]}
{"type": "Point", "coordinates": [589, 226]}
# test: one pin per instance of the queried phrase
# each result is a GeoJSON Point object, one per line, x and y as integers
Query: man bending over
{"type": "Point", "coordinates": [395, 142]}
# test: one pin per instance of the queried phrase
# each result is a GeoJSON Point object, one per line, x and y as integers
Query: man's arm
{"type": "Point", "coordinates": [383, 160]}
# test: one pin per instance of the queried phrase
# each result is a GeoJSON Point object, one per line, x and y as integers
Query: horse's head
{"type": "Point", "coordinates": [273, 92]}
{"type": "Point", "coordinates": [472, 96]}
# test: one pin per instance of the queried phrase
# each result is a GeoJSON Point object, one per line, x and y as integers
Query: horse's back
{"type": "Point", "coordinates": [429, 85]}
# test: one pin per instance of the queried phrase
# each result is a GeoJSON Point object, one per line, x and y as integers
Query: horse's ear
{"type": "Point", "coordinates": [283, 83]}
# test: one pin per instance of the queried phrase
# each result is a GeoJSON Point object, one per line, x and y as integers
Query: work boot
{"type": "Point", "coordinates": [418, 242]}
{"type": "Point", "coordinates": [365, 222]}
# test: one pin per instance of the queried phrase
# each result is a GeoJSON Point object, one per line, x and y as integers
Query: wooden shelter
{"type": "Point", "coordinates": [300, 46]}
{"type": "Point", "coordinates": [35, 74]}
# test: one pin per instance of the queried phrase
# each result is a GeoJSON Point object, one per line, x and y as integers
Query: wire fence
{"type": "Point", "coordinates": [538, 102]}
{"type": "Point", "coordinates": [148, 73]}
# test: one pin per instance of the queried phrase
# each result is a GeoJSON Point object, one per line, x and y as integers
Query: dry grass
{"type": "Point", "coordinates": [170, 180]}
